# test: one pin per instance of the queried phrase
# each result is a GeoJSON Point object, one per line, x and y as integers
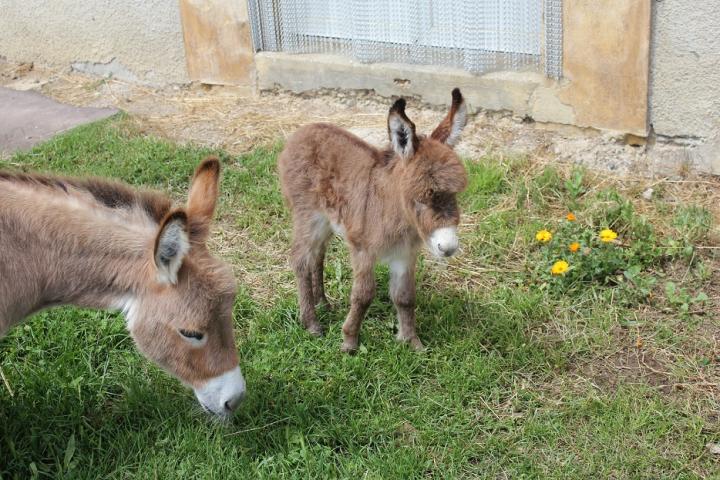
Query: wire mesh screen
{"type": "Point", "coordinates": [475, 35]}
{"type": "Point", "coordinates": [553, 38]}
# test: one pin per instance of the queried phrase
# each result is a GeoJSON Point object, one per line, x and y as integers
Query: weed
{"type": "Point", "coordinates": [681, 299]}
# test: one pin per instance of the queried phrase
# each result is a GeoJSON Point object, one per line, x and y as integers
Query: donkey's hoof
{"type": "Point", "coordinates": [414, 343]}
{"type": "Point", "coordinates": [316, 330]}
{"type": "Point", "coordinates": [349, 347]}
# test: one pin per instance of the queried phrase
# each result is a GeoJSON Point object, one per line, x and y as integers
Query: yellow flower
{"type": "Point", "coordinates": [560, 267]}
{"type": "Point", "coordinates": [543, 236]}
{"type": "Point", "coordinates": [574, 247]}
{"type": "Point", "coordinates": [607, 235]}
{"type": "Point", "coordinates": [571, 217]}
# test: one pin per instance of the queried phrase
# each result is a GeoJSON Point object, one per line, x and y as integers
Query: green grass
{"type": "Point", "coordinates": [518, 380]}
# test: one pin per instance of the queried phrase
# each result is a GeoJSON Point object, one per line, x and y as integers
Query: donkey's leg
{"type": "Point", "coordinates": [318, 277]}
{"type": "Point", "coordinates": [303, 274]}
{"type": "Point", "coordinates": [402, 292]}
{"type": "Point", "coordinates": [309, 233]}
{"type": "Point", "coordinates": [363, 291]}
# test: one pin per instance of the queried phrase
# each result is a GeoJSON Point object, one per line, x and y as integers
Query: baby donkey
{"type": "Point", "coordinates": [384, 203]}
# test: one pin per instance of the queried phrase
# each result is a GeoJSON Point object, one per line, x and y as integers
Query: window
{"type": "Point", "coordinates": [475, 35]}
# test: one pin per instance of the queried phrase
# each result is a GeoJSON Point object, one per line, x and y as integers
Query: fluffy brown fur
{"type": "Point", "coordinates": [95, 243]}
{"type": "Point", "coordinates": [384, 203]}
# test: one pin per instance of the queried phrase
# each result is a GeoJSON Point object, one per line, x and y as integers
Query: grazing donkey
{"type": "Point", "coordinates": [385, 204]}
{"type": "Point", "coordinates": [93, 243]}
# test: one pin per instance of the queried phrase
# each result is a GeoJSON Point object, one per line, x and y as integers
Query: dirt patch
{"type": "Point", "coordinates": [631, 364]}
{"type": "Point", "coordinates": [238, 121]}
{"type": "Point", "coordinates": [640, 360]}
{"type": "Point", "coordinates": [261, 267]}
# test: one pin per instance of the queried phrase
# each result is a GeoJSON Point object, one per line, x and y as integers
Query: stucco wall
{"type": "Point", "coordinates": [685, 68]}
{"type": "Point", "coordinates": [685, 80]}
{"type": "Point", "coordinates": [138, 40]}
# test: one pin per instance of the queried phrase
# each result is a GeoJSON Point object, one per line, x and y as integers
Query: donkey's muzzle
{"type": "Point", "coordinates": [444, 242]}
{"type": "Point", "coordinates": [221, 395]}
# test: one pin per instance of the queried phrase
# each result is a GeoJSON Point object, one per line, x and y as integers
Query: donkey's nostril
{"type": "Point", "coordinates": [446, 251]}
{"type": "Point", "coordinates": [232, 404]}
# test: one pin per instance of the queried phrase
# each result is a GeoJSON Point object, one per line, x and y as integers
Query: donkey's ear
{"type": "Point", "coordinates": [401, 131]}
{"type": "Point", "coordinates": [171, 245]}
{"type": "Point", "coordinates": [202, 198]}
{"type": "Point", "coordinates": [452, 125]}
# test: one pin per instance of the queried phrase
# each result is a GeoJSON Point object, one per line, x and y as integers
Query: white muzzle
{"type": "Point", "coordinates": [221, 395]}
{"type": "Point", "coordinates": [444, 242]}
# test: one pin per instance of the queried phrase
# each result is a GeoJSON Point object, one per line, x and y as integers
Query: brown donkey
{"type": "Point", "coordinates": [385, 204]}
{"type": "Point", "coordinates": [93, 243]}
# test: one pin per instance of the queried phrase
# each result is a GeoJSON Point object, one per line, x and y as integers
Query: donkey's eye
{"type": "Point", "coordinates": [441, 198]}
{"type": "Point", "coordinates": [191, 334]}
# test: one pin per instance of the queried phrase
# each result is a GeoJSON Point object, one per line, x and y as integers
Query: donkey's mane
{"type": "Point", "coordinates": [106, 193]}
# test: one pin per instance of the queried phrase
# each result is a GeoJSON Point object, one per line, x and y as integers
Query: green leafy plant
{"type": "Point", "coordinates": [574, 187]}
{"type": "Point", "coordinates": [681, 299]}
{"type": "Point", "coordinates": [577, 252]}
{"type": "Point", "coordinates": [693, 222]}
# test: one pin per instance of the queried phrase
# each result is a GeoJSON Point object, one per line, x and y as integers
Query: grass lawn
{"type": "Point", "coordinates": [609, 371]}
